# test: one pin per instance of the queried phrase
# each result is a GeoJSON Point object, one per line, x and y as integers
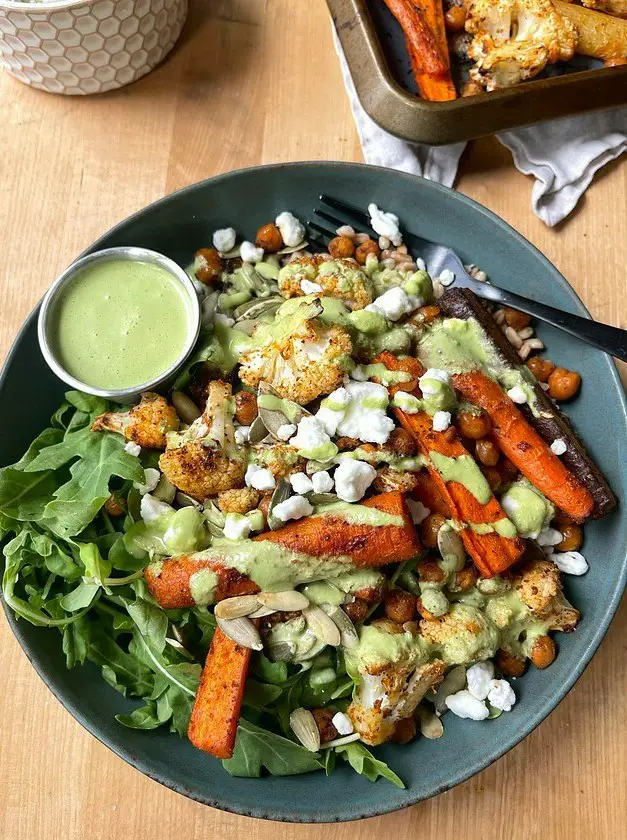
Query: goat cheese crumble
{"type": "Point", "coordinates": [441, 421]}
{"type": "Point", "coordinates": [236, 526]}
{"type": "Point", "coordinates": [259, 477]}
{"type": "Point", "coordinates": [464, 705]}
{"type": "Point", "coordinates": [292, 231]}
{"type": "Point", "coordinates": [224, 239]}
{"type": "Point", "coordinates": [293, 508]}
{"type": "Point", "coordinates": [309, 287]}
{"type": "Point", "coordinates": [286, 431]}
{"type": "Point", "coordinates": [365, 415]}
{"type": "Point", "coordinates": [151, 479]}
{"type": "Point", "coordinates": [133, 448]}
{"type": "Point", "coordinates": [250, 253]}
{"type": "Point", "coordinates": [501, 695]}
{"type": "Point", "coordinates": [151, 509]}
{"type": "Point", "coordinates": [385, 224]}
{"type": "Point", "coordinates": [558, 447]}
{"type": "Point", "coordinates": [301, 483]}
{"type": "Point", "coordinates": [418, 511]}
{"type": "Point", "coordinates": [517, 395]}
{"type": "Point", "coordinates": [393, 304]}
{"type": "Point", "coordinates": [570, 562]}
{"type": "Point", "coordinates": [352, 479]}
{"type": "Point", "coordinates": [322, 482]}
{"type": "Point", "coordinates": [479, 678]}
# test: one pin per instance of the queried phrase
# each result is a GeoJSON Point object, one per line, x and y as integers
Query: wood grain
{"type": "Point", "coordinates": [256, 81]}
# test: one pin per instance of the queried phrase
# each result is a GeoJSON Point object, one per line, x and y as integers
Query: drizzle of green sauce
{"type": "Point", "coordinates": [202, 586]}
{"type": "Point", "coordinates": [504, 527]}
{"type": "Point", "coordinates": [291, 410]}
{"type": "Point", "coordinates": [359, 514]}
{"type": "Point", "coordinates": [465, 471]}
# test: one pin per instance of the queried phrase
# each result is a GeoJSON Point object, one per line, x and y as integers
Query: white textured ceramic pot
{"type": "Point", "coordinates": [87, 47]}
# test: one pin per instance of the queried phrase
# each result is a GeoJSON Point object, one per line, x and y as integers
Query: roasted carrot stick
{"type": "Point", "coordinates": [436, 87]}
{"type": "Point", "coordinates": [524, 447]}
{"type": "Point", "coordinates": [366, 545]}
{"type": "Point", "coordinates": [428, 493]}
{"type": "Point", "coordinates": [328, 536]}
{"type": "Point", "coordinates": [429, 65]}
{"type": "Point", "coordinates": [491, 552]}
{"type": "Point", "coordinates": [213, 724]}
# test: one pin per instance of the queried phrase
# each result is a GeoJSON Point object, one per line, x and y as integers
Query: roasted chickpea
{"type": "Point", "coordinates": [449, 434]}
{"type": "Point", "coordinates": [428, 314]}
{"type": "Point", "coordinates": [487, 452]}
{"type": "Point", "coordinates": [517, 320]}
{"type": "Point", "coordinates": [540, 367]}
{"type": "Point", "coordinates": [455, 18]}
{"type": "Point", "coordinates": [563, 384]}
{"type": "Point", "coordinates": [473, 424]}
{"type": "Point", "coordinates": [573, 538]}
{"type": "Point", "coordinates": [404, 731]}
{"type": "Point", "coordinates": [245, 407]}
{"type": "Point", "coordinates": [324, 722]}
{"type": "Point", "coordinates": [399, 606]}
{"type": "Point", "coordinates": [401, 443]}
{"type": "Point", "coordinates": [114, 507]}
{"type": "Point", "coordinates": [357, 610]}
{"type": "Point", "coordinates": [341, 247]}
{"type": "Point", "coordinates": [264, 505]}
{"type": "Point", "coordinates": [429, 529]}
{"type": "Point", "coordinates": [430, 572]}
{"type": "Point", "coordinates": [542, 652]}
{"type": "Point", "coordinates": [493, 477]}
{"type": "Point", "coordinates": [269, 238]}
{"type": "Point", "coordinates": [508, 664]}
{"type": "Point", "coordinates": [562, 518]}
{"type": "Point", "coordinates": [465, 579]}
{"type": "Point", "coordinates": [617, 61]}
{"type": "Point", "coordinates": [507, 471]}
{"type": "Point", "coordinates": [209, 266]}
{"type": "Point", "coordinates": [367, 247]}
{"type": "Point", "coordinates": [344, 444]}
{"type": "Point", "coordinates": [371, 594]}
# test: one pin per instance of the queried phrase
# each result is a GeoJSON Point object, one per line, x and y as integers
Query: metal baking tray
{"type": "Point", "coordinates": [373, 44]}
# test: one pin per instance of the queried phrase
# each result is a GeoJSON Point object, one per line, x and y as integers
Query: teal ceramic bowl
{"type": "Point", "coordinates": [177, 226]}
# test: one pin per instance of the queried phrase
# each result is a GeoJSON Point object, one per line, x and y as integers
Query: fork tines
{"type": "Point", "coordinates": [348, 215]}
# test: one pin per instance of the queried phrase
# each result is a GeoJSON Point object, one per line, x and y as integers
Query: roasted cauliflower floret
{"type": "Point", "coordinates": [238, 501]}
{"type": "Point", "coordinates": [341, 278]}
{"type": "Point", "coordinates": [281, 459]}
{"type": "Point", "coordinates": [390, 481]}
{"type": "Point", "coordinates": [202, 461]}
{"type": "Point", "coordinates": [515, 39]}
{"type": "Point", "coordinates": [393, 675]}
{"type": "Point", "coordinates": [146, 424]}
{"type": "Point", "coordinates": [463, 635]}
{"type": "Point", "coordinates": [539, 587]}
{"type": "Point", "coordinates": [298, 355]}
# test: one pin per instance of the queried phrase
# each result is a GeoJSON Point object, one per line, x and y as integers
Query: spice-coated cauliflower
{"type": "Point", "coordinates": [202, 461]}
{"type": "Point", "coordinates": [146, 424]}
{"type": "Point", "coordinates": [539, 587]}
{"type": "Point", "coordinates": [298, 355]}
{"type": "Point", "coordinates": [342, 279]}
{"type": "Point", "coordinates": [515, 39]}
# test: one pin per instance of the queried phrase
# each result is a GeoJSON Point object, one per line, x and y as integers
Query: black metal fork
{"type": "Point", "coordinates": [438, 257]}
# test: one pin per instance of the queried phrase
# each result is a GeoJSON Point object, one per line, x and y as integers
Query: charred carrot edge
{"type": "Point", "coordinates": [429, 64]}
{"type": "Point", "coordinates": [213, 724]}
{"type": "Point", "coordinates": [524, 447]}
{"type": "Point", "coordinates": [490, 552]}
{"type": "Point", "coordinates": [169, 585]}
{"type": "Point", "coordinates": [427, 493]}
{"type": "Point", "coordinates": [438, 88]}
{"type": "Point", "coordinates": [366, 545]}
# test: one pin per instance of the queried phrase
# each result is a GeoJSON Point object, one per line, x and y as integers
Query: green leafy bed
{"type": "Point", "coordinates": [66, 566]}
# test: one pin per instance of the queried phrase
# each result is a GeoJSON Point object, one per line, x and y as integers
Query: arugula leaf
{"type": "Point", "coordinates": [151, 621]}
{"type": "Point", "coordinates": [364, 763]}
{"type": "Point", "coordinates": [146, 717]}
{"type": "Point", "coordinates": [268, 671]}
{"type": "Point", "coordinates": [74, 644]}
{"type": "Point", "coordinates": [121, 669]}
{"type": "Point", "coordinates": [260, 695]}
{"type": "Point", "coordinates": [95, 566]}
{"type": "Point", "coordinates": [256, 748]}
{"type": "Point", "coordinates": [81, 597]}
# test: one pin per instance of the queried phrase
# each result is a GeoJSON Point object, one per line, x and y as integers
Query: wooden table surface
{"type": "Point", "coordinates": [257, 81]}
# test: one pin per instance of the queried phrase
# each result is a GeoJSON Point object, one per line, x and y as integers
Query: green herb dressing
{"type": "Point", "coordinates": [359, 514]}
{"type": "Point", "coordinates": [202, 586]}
{"type": "Point", "coordinates": [465, 471]}
{"type": "Point", "coordinates": [292, 411]}
{"type": "Point", "coordinates": [504, 527]}
{"type": "Point", "coordinates": [120, 323]}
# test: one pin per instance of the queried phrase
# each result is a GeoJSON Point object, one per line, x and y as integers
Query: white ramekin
{"type": "Point", "coordinates": [77, 48]}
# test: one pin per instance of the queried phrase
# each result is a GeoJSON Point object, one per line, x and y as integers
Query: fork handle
{"type": "Point", "coordinates": [612, 340]}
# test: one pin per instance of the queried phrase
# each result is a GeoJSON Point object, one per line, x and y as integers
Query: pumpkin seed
{"type": "Point", "coordinates": [274, 418]}
{"type": "Point", "coordinates": [315, 466]}
{"type": "Point", "coordinates": [281, 651]}
{"type": "Point", "coordinates": [242, 631]}
{"type": "Point", "coordinates": [451, 548]}
{"type": "Point", "coordinates": [290, 249]}
{"type": "Point", "coordinates": [419, 683]}
{"type": "Point", "coordinates": [430, 724]}
{"type": "Point", "coordinates": [287, 601]}
{"type": "Point", "coordinates": [262, 612]}
{"type": "Point", "coordinates": [215, 519]}
{"type": "Point", "coordinates": [257, 306]}
{"type": "Point", "coordinates": [453, 682]}
{"type": "Point", "coordinates": [349, 637]}
{"type": "Point", "coordinates": [322, 626]}
{"type": "Point", "coordinates": [268, 270]}
{"type": "Point", "coordinates": [183, 500]}
{"type": "Point", "coordinates": [185, 407]}
{"type": "Point", "coordinates": [241, 605]}
{"type": "Point", "coordinates": [165, 491]}
{"type": "Point", "coordinates": [282, 492]}
{"type": "Point", "coordinates": [247, 327]}
{"type": "Point", "coordinates": [304, 726]}
{"type": "Point", "coordinates": [257, 432]}
{"type": "Point", "coordinates": [322, 498]}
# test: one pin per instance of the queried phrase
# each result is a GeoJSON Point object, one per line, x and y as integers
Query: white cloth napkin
{"type": "Point", "coordinates": [562, 155]}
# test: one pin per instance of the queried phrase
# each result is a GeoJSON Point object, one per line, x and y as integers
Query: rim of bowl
{"type": "Point", "coordinates": [46, 4]}
{"type": "Point", "coordinates": [133, 254]}
{"type": "Point", "coordinates": [265, 811]}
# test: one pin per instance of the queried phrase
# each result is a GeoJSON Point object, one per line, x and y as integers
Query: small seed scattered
{"type": "Point", "coordinates": [360, 238]}
{"type": "Point", "coordinates": [237, 607]}
{"type": "Point", "coordinates": [304, 726]}
{"type": "Point", "coordinates": [430, 724]}
{"type": "Point", "coordinates": [349, 637]}
{"type": "Point", "coordinates": [339, 742]}
{"type": "Point", "coordinates": [287, 601]}
{"type": "Point", "coordinates": [499, 316]}
{"type": "Point", "coordinates": [525, 333]}
{"type": "Point", "coordinates": [536, 344]}
{"type": "Point", "coordinates": [525, 351]}
{"type": "Point", "coordinates": [262, 612]}
{"type": "Point", "coordinates": [384, 243]}
{"type": "Point", "coordinates": [242, 631]}
{"type": "Point", "coordinates": [323, 627]}
{"type": "Point", "coordinates": [512, 336]}
{"type": "Point", "coordinates": [346, 230]}
{"type": "Point", "coordinates": [186, 408]}
{"type": "Point", "coordinates": [451, 548]}
{"type": "Point", "coordinates": [183, 500]}
{"type": "Point", "coordinates": [453, 682]}
{"type": "Point", "coordinates": [281, 651]}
